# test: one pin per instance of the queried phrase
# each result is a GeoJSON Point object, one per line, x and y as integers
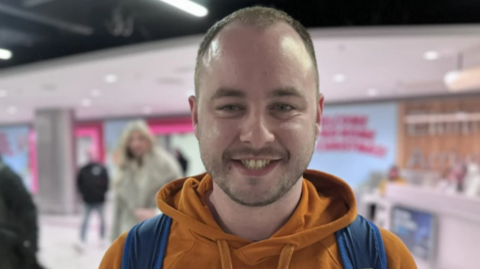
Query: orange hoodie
{"type": "Point", "coordinates": [307, 240]}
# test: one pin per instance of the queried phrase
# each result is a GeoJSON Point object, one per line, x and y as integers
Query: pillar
{"type": "Point", "coordinates": [55, 161]}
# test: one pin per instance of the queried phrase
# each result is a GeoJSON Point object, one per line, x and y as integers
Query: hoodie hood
{"type": "Point", "coordinates": [326, 206]}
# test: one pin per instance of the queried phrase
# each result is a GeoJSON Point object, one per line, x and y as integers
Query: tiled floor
{"type": "Point", "coordinates": [59, 240]}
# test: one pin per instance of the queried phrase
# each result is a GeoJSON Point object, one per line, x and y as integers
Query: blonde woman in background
{"type": "Point", "coordinates": [143, 168]}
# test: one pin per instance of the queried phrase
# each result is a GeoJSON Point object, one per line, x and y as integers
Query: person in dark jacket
{"type": "Point", "coordinates": [92, 182]}
{"type": "Point", "coordinates": [18, 223]}
{"type": "Point", "coordinates": [183, 162]}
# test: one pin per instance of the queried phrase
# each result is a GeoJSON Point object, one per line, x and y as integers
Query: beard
{"type": "Point", "coordinates": [294, 166]}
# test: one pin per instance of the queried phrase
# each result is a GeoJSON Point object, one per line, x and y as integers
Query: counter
{"type": "Point", "coordinates": [456, 223]}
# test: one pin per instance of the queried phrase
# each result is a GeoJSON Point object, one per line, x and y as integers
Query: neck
{"type": "Point", "coordinates": [252, 223]}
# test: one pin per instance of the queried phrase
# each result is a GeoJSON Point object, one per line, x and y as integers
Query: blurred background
{"type": "Point", "coordinates": [401, 125]}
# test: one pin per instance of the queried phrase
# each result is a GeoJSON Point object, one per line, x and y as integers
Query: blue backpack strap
{"type": "Point", "coordinates": [361, 245]}
{"type": "Point", "coordinates": [146, 244]}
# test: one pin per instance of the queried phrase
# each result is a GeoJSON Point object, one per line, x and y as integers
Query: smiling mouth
{"type": "Point", "coordinates": [257, 164]}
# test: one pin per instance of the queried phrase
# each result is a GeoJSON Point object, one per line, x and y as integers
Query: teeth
{"type": "Point", "coordinates": [255, 164]}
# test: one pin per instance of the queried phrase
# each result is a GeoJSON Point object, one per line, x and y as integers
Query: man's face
{"type": "Point", "coordinates": [92, 154]}
{"type": "Point", "coordinates": [257, 116]}
{"type": "Point", "coordinates": [138, 144]}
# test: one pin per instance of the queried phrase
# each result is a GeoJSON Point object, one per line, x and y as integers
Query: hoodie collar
{"type": "Point", "coordinates": [326, 206]}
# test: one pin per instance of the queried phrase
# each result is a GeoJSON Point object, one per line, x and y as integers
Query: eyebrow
{"type": "Point", "coordinates": [287, 91]}
{"type": "Point", "coordinates": [236, 93]}
{"type": "Point", "coordinates": [228, 92]}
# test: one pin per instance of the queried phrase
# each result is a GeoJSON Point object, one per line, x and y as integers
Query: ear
{"type": "Point", "coordinates": [192, 100]}
{"type": "Point", "coordinates": [320, 113]}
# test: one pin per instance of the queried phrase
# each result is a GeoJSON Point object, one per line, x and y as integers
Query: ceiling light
{"type": "Point", "coordinates": [431, 55]}
{"type": "Point", "coordinates": [5, 54]}
{"type": "Point", "coordinates": [451, 77]}
{"type": "Point", "coordinates": [96, 93]}
{"type": "Point", "coordinates": [339, 78]}
{"type": "Point", "coordinates": [189, 7]}
{"type": "Point", "coordinates": [147, 110]}
{"type": "Point", "coordinates": [111, 78]}
{"type": "Point", "coordinates": [86, 102]}
{"type": "Point", "coordinates": [463, 80]}
{"type": "Point", "coordinates": [12, 110]}
{"type": "Point", "coordinates": [372, 92]}
{"type": "Point", "coordinates": [3, 93]}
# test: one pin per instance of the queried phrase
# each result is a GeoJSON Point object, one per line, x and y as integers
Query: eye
{"type": "Point", "coordinates": [230, 108]}
{"type": "Point", "coordinates": [283, 107]}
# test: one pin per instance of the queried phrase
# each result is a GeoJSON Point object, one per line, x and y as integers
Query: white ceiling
{"type": "Point", "coordinates": [160, 74]}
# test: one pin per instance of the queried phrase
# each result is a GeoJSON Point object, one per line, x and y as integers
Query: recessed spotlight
{"type": "Point", "coordinates": [86, 102]}
{"type": "Point", "coordinates": [3, 93]}
{"type": "Point", "coordinates": [372, 92]}
{"type": "Point", "coordinates": [96, 93]}
{"type": "Point", "coordinates": [111, 78]}
{"type": "Point", "coordinates": [12, 110]}
{"type": "Point", "coordinates": [339, 78]}
{"type": "Point", "coordinates": [431, 55]}
{"type": "Point", "coordinates": [451, 77]}
{"type": "Point", "coordinates": [147, 110]}
{"type": "Point", "coordinates": [5, 54]}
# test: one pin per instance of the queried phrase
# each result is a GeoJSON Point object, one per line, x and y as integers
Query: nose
{"type": "Point", "coordinates": [255, 131]}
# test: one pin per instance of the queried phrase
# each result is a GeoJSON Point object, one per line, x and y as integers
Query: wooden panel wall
{"type": "Point", "coordinates": [439, 141]}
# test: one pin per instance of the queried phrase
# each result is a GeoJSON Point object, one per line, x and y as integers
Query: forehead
{"type": "Point", "coordinates": [136, 134]}
{"type": "Point", "coordinates": [248, 57]}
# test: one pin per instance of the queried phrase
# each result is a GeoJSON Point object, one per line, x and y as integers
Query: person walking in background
{"type": "Point", "coordinates": [143, 168]}
{"type": "Point", "coordinates": [182, 160]}
{"type": "Point", "coordinates": [18, 223]}
{"type": "Point", "coordinates": [92, 183]}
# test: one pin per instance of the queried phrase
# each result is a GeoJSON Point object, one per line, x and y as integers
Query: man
{"type": "Point", "coordinates": [18, 223]}
{"type": "Point", "coordinates": [92, 183]}
{"type": "Point", "coordinates": [257, 115]}
{"type": "Point", "coordinates": [393, 176]}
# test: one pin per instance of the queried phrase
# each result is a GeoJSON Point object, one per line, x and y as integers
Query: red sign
{"type": "Point", "coordinates": [349, 133]}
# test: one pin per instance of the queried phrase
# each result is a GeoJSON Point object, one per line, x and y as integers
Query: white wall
{"type": "Point", "coordinates": [188, 145]}
{"type": "Point", "coordinates": [458, 244]}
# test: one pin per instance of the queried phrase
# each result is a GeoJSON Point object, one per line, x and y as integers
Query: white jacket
{"type": "Point", "coordinates": [135, 187]}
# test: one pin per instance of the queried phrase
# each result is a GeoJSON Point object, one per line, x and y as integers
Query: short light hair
{"type": "Point", "coordinates": [260, 17]}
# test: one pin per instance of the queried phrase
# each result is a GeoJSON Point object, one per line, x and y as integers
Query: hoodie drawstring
{"type": "Point", "coordinates": [285, 256]}
{"type": "Point", "coordinates": [226, 259]}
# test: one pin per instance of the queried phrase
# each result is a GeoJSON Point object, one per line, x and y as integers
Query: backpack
{"type": "Point", "coordinates": [360, 245]}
